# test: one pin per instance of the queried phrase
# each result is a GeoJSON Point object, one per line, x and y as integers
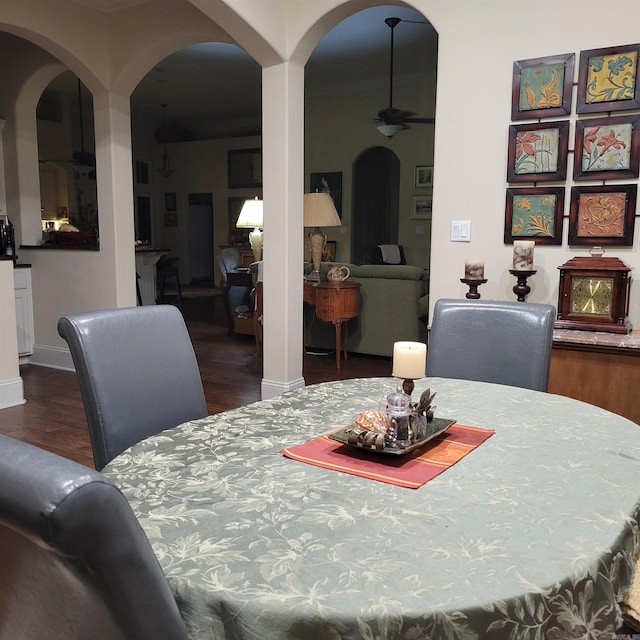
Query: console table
{"type": "Point", "coordinates": [334, 302]}
{"type": "Point", "coordinates": [599, 368]}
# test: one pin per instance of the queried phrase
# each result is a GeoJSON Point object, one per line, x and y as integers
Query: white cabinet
{"type": "Point", "coordinates": [24, 310]}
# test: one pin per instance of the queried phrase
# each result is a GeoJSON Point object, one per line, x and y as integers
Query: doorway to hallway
{"type": "Point", "coordinates": [201, 241]}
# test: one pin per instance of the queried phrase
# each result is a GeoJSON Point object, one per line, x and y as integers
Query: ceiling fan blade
{"type": "Point", "coordinates": [393, 115]}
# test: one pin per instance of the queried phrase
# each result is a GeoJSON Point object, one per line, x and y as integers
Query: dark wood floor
{"type": "Point", "coordinates": [53, 415]}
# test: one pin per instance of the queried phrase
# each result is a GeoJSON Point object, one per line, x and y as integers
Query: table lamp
{"type": "Point", "coordinates": [409, 363]}
{"type": "Point", "coordinates": [251, 218]}
{"type": "Point", "coordinates": [319, 211]}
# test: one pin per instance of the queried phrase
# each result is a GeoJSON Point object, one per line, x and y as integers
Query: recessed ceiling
{"type": "Point", "coordinates": [214, 89]}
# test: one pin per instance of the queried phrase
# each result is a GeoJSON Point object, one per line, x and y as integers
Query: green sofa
{"type": "Point", "coordinates": [395, 306]}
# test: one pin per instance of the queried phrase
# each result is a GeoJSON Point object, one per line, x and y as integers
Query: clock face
{"type": "Point", "coordinates": [591, 296]}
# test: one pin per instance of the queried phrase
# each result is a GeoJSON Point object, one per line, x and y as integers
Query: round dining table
{"type": "Point", "coordinates": [533, 534]}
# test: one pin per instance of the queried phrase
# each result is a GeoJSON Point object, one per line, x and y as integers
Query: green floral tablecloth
{"type": "Point", "coordinates": [532, 535]}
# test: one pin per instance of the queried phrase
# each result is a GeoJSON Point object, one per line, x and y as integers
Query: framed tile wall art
{"type": "Point", "coordinates": [602, 215]}
{"type": "Point", "coordinates": [607, 148]}
{"type": "Point", "coordinates": [537, 152]}
{"type": "Point", "coordinates": [542, 87]}
{"type": "Point", "coordinates": [608, 79]}
{"type": "Point", "coordinates": [534, 214]}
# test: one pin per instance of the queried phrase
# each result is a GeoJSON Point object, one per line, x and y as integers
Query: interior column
{"type": "Point", "coordinates": [283, 251]}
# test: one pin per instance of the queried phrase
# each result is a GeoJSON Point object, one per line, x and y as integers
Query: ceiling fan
{"type": "Point", "coordinates": [80, 158]}
{"type": "Point", "coordinates": [394, 120]}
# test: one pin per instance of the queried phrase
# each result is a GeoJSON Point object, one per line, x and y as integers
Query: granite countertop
{"type": "Point", "coordinates": [598, 338]}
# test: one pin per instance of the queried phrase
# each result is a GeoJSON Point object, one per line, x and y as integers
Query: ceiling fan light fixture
{"type": "Point", "coordinates": [389, 130]}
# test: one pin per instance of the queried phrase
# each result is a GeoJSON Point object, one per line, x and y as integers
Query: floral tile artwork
{"type": "Point", "coordinates": [601, 214]}
{"type": "Point", "coordinates": [537, 151]}
{"type": "Point", "coordinates": [611, 77]}
{"type": "Point", "coordinates": [607, 148]}
{"type": "Point", "coordinates": [541, 86]}
{"type": "Point", "coordinates": [533, 215]}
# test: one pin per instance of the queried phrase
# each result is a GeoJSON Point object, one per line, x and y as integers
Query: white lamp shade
{"type": "Point", "coordinates": [250, 215]}
{"type": "Point", "coordinates": [319, 211]}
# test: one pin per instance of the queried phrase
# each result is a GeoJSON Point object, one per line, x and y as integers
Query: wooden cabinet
{"type": "Point", "coordinates": [3, 195]}
{"type": "Point", "coordinates": [336, 303]}
{"type": "Point", "coordinates": [600, 368]}
{"type": "Point", "coordinates": [24, 310]}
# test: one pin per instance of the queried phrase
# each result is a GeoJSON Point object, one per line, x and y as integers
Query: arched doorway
{"type": "Point", "coordinates": [376, 192]}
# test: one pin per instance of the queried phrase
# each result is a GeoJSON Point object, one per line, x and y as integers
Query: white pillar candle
{"type": "Point", "coordinates": [474, 269]}
{"type": "Point", "coordinates": [409, 360]}
{"type": "Point", "coordinates": [523, 255]}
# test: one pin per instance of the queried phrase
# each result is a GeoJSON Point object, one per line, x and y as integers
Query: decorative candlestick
{"type": "Point", "coordinates": [473, 284]}
{"type": "Point", "coordinates": [522, 289]}
{"type": "Point", "coordinates": [409, 362]}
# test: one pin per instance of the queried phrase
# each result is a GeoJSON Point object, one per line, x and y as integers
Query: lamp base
{"type": "Point", "coordinates": [317, 241]}
{"type": "Point", "coordinates": [255, 240]}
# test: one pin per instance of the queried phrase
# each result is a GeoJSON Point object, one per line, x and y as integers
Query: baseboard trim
{"type": "Point", "coordinates": [53, 357]}
{"type": "Point", "coordinates": [272, 388]}
{"type": "Point", "coordinates": [11, 393]}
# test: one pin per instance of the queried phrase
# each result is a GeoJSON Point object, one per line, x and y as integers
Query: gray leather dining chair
{"type": "Point", "coordinates": [494, 341]}
{"type": "Point", "coordinates": [137, 371]}
{"type": "Point", "coordinates": [75, 561]}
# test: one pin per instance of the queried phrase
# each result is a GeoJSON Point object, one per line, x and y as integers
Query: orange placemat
{"type": "Point", "coordinates": [412, 470]}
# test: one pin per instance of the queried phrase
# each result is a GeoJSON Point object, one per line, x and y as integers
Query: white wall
{"type": "Point", "coordinates": [479, 41]}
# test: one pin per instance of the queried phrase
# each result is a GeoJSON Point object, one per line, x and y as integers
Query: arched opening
{"type": "Point", "coordinates": [347, 95]}
{"type": "Point", "coordinates": [67, 164]}
{"type": "Point", "coordinates": [376, 191]}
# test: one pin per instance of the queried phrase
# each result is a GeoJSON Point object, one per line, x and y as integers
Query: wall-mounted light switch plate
{"type": "Point", "coordinates": [461, 231]}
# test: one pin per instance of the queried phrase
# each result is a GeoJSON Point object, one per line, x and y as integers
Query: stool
{"type": "Point", "coordinates": [138, 294]}
{"type": "Point", "coordinates": [167, 273]}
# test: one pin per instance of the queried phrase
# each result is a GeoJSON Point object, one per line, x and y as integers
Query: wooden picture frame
{"type": "Point", "coordinates": [602, 215]}
{"type": "Point", "coordinates": [423, 176]}
{"type": "Point", "coordinates": [607, 148]}
{"type": "Point", "coordinates": [608, 79]}
{"type": "Point", "coordinates": [171, 219]}
{"type": "Point", "coordinates": [244, 168]}
{"type": "Point", "coordinates": [537, 152]}
{"type": "Point", "coordinates": [534, 213]}
{"type": "Point", "coordinates": [329, 251]}
{"type": "Point", "coordinates": [542, 87]}
{"type": "Point", "coordinates": [421, 207]}
{"type": "Point", "coordinates": [170, 202]}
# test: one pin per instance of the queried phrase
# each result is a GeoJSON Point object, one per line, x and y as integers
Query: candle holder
{"type": "Point", "coordinates": [408, 386]}
{"type": "Point", "coordinates": [473, 284]}
{"type": "Point", "coordinates": [522, 289]}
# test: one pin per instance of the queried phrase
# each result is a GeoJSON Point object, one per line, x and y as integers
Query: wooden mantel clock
{"type": "Point", "coordinates": [594, 294]}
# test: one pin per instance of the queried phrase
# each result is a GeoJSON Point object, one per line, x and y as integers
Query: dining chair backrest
{"type": "Point", "coordinates": [74, 560]}
{"type": "Point", "coordinates": [137, 371]}
{"type": "Point", "coordinates": [494, 341]}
